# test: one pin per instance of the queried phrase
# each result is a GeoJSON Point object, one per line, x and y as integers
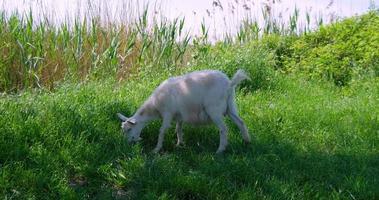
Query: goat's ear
{"type": "Point", "coordinates": [122, 117]}
{"type": "Point", "coordinates": [131, 121]}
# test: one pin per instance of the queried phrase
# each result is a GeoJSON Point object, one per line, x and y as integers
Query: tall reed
{"type": "Point", "coordinates": [39, 55]}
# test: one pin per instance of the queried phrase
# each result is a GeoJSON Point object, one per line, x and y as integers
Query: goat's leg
{"type": "Point", "coordinates": [165, 125]}
{"type": "Point", "coordinates": [241, 125]}
{"type": "Point", "coordinates": [223, 135]}
{"type": "Point", "coordinates": [218, 120]}
{"type": "Point", "coordinates": [179, 133]}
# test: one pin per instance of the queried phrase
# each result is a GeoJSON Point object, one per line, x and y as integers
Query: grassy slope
{"type": "Point", "coordinates": [312, 139]}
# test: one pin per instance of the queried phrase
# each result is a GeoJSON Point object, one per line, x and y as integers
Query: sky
{"type": "Point", "coordinates": [195, 12]}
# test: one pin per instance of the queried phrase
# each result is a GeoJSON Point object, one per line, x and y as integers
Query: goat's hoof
{"type": "Point", "coordinates": [156, 151]}
{"type": "Point", "coordinates": [247, 139]}
{"type": "Point", "coordinates": [220, 151]}
{"type": "Point", "coordinates": [180, 144]}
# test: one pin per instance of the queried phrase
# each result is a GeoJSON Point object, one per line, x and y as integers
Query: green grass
{"type": "Point", "coordinates": [311, 109]}
{"type": "Point", "coordinates": [311, 140]}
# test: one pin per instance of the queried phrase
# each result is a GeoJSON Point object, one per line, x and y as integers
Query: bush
{"type": "Point", "coordinates": [339, 52]}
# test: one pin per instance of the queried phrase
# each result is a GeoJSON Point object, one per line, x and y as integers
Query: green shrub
{"type": "Point", "coordinates": [339, 52]}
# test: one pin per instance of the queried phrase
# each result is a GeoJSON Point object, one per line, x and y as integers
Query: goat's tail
{"type": "Point", "coordinates": [239, 76]}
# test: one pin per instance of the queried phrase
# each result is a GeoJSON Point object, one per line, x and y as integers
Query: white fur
{"type": "Point", "coordinates": [199, 97]}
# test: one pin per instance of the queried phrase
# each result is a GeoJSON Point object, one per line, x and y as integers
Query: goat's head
{"type": "Point", "coordinates": [131, 128]}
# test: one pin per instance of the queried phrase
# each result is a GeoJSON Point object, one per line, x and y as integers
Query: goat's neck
{"type": "Point", "coordinates": [147, 112]}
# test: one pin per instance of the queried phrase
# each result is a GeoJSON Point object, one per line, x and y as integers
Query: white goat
{"type": "Point", "coordinates": [197, 98]}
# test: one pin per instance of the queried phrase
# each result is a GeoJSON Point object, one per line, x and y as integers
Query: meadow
{"type": "Point", "coordinates": [311, 109]}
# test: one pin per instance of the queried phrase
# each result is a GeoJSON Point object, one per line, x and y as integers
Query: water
{"type": "Point", "coordinates": [216, 18]}
{"type": "Point", "coordinates": [220, 16]}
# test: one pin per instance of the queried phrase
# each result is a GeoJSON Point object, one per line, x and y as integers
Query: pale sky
{"type": "Point", "coordinates": [193, 10]}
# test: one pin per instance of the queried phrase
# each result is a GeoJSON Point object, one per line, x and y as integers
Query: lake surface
{"type": "Point", "coordinates": [219, 16]}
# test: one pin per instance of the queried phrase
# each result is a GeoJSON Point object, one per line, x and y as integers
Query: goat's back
{"type": "Point", "coordinates": [199, 84]}
{"type": "Point", "coordinates": [189, 95]}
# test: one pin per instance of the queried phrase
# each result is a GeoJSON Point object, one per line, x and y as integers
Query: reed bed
{"type": "Point", "coordinates": [36, 52]}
